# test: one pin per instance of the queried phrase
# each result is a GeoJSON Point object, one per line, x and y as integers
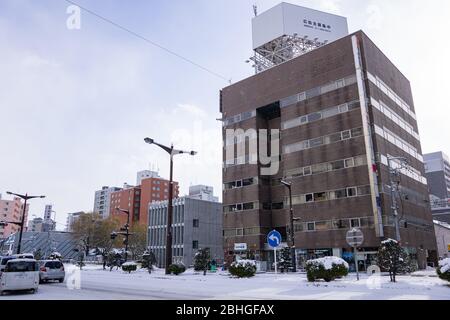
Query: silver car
{"type": "Point", "coordinates": [51, 270]}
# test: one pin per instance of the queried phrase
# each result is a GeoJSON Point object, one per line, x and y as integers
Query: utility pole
{"type": "Point", "coordinates": [291, 220]}
{"type": "Point", "coordinates": [394, 191]}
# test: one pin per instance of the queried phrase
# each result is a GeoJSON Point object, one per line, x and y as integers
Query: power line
{"type": "Point", "coordinates": [115, 24]}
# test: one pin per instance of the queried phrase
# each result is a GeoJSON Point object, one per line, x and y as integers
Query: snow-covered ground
{"type": "Point", "coordinates": [95, 283]}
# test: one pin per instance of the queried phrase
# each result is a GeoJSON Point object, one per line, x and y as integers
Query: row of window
{"type": "Point", "coordinates": [247, 159]}
{"type": "Point", "coordinates": [326, 167]}
{"type": "Point", "coordinates": [239, 118]}
{"type": "Point", "coordinates": [380, 106]}
{"type": "Point", "coordinates": [391, 94]}
{"type": "Point", "coordinates": [335, 224]}
{"type": "Point", "coordinates": [399, 142]}
{"type": "Point", "coordinates": [240, 232]}
{"type": "Point", "coordinates": [241, 183]}
{"type": "Point", "coordinates": [323, 114]}
{"type": "Point", "coordinates": [320, 141]}
{"type": "Point", "coordinates": [349, 192]}
{"type": "Point", "coordinates": [409, 172]}
{"type": "Point", "coordinates": [315, 92]}
{"type": "Point", "coordinates": [241, 207]}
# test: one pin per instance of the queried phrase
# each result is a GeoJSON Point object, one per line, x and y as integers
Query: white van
{"type": "Point", "coordinates": [20, 274]}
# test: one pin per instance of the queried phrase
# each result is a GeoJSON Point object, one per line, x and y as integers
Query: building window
{"type": "Point", "coordinates": [351, 192]}
{"type": "Point", "coordinates": [196, 223]}
{"type": "Point", "coordinates": [309, 197]}
{"type": "Point", "coordinates": [311, 226]}
{"type": "Point", "coordinates": [195, 244]}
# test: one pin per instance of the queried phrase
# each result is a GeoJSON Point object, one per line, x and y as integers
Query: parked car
{"type": "Point", "coordinates": [51, 270]}
{"type": "Point", "coordinates": [20, 274]}
{"type": "Point", "coordinates": [4, 260]}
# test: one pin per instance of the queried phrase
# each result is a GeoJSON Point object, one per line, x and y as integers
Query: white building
{"type": "Point", "coordinates": [102, 200]}
{"type": "Point", "coordinates": [144, 174]}
{"type": "Point", "coordinates": [71, 218]}
{"type": "Point", "coordinates": [202, 192]}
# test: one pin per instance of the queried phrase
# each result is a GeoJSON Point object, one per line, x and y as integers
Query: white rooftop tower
{"type": "Point", "coordinates": [287, 31]}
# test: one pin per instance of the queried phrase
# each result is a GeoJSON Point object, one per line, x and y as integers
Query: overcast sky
{"type": "Point", "coordinates": [75, 105]}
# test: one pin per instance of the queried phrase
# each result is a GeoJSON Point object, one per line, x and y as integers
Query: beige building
{"type": "Point", "coordinates": [442, 231]}
{"type": "Point", "coordinates": [11, 211]}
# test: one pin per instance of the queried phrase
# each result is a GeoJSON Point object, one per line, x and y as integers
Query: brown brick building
{"type": "Point", "coordinates": [136, 199]}
{"type": "Point", "coordinates": [342, 110]}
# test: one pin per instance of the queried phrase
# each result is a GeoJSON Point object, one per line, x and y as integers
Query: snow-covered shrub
{"type": "Point", "coordinates": [129, 266]}
{"type": "Point", "coordinates": [391, 257]}
{"type": "Point", "coordinates": [327, 268]}
{"type": "Point", "coordinates": [243, 268]}
{"type": "Point", "coordinates": [202, 259]}
{"type": "Point", "coordinates": [176, 269]}
{"type": "Point", "coordinates": [443, 270]}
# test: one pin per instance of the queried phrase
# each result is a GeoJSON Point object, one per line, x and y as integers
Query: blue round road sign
{"type": "Point", "coordinates": [274, 239]}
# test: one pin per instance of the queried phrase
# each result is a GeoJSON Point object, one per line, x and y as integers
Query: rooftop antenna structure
{"type": "Point", "coordinates": [288, 31]}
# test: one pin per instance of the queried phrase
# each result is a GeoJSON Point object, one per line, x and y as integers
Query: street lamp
{"type": "Point", "coordinates": [392, 171]}
{"type": "Point", "coordinates": [127, 233]}
{"type": "Point", "coordinates": [25, 197]}
{"type": "Point", "coordinates": [172, 152]}
{"type": "Point", "coordinates": [291, 219]}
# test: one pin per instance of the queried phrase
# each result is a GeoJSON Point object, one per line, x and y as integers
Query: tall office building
{"type": "Point", "coordinates": [326, 111]}
{"type": "Point", "coordinates": [437, 171]}
{"type": "Point", "coordinates": [102, 200]}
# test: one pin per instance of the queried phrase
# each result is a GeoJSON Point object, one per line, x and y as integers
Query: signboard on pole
{"type": "Point", "coordinates": [355, 238]}
{"type": "Point", "coordinates": [274, 240]}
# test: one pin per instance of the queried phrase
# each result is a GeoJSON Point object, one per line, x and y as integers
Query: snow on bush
{"type": "Point", "coordinates": [444, 269]}
{"type": "Point", "coordinates": [176, 269]}
{"type": "Point", "coordinates": [327, 268]}
{"type": "Point", "coordinates": [129, 266]}
{"type": "Point", "coordinates": [243, 268]}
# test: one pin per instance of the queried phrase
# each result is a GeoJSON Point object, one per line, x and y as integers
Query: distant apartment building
{"type": "Point", "coordinates": [136, 199]}
{"type": "Point", "coordinates": [103, 199]}
{"type": "Point", "coordinates": [202, 192]}
{"type": "Point", "coordinates": [48, 212]}
{"type": "Point", "coordinates": [144, 174]}
{"type": "Point", "coordinates": [196, 224]}
{"type": "Point", "coordinates": [11, 211]}
{"type": "Point", "coordinates": [35, 225]}
{"type": "Point", "coordinates": [437, 172]}
{"type": "Point", "coordinates": [71, 218]}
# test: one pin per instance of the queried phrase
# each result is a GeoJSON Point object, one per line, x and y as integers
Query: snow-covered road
{"type": "Point", "coordinates": [95, 283]}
